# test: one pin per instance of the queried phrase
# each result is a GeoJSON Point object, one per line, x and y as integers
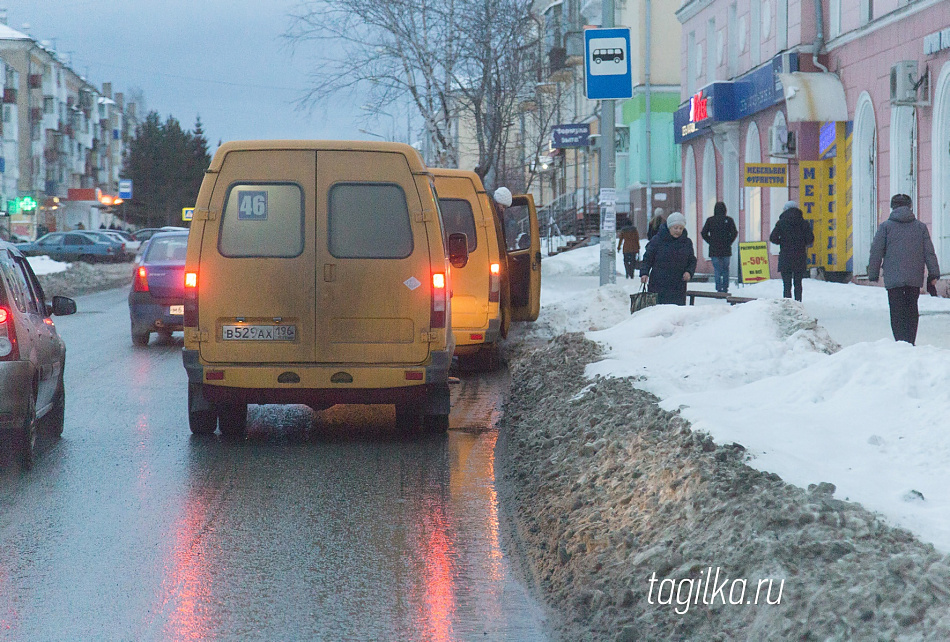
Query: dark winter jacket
{"type": "Point", "coordinates": [903, 245]}
{"type": "Point", "coordinates": [664, 261]}
{"type": "Point", "coordinates": [654, 226]}
{"type": "Point", "coordinates": [719, 232]}
{"type": "Point", "coordinates": [793, 235]}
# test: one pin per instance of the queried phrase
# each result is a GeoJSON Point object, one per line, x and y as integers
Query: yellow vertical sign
{"type": "Point", "coordinates": [841, 259]}
{"type": "Point", "coordinates": [816, 197]}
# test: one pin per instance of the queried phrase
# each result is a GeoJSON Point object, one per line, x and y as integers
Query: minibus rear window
{"type": "Point", "coordinates": [369, 221]}
{"type": "Point", "coordinates": [458, 218]}
{"type": "Point", "coordinates": [262, 220]}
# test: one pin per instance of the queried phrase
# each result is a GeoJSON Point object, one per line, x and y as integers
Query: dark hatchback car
{"type": "Point", "coordinates": [157, 299]}
{"type": "Point", "coordinates": [32, 357]}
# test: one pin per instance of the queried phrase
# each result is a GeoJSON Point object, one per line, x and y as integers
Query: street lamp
{"type": "Point", "coordinates": [379, 112]}
{"type": "Point", "coordinates": [372, 134]}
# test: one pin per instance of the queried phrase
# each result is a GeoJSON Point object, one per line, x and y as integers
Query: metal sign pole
{"type": "Point", "coordinates": [608, 200]}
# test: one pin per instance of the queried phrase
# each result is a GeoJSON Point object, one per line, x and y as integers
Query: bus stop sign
{"type": "Point", "coordinates": [607, 69]}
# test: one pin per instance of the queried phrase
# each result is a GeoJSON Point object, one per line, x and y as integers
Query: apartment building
{"type": "Point", "coordinates": [850, 97]}
{"type": "Point", "coordinates": [59, 133]}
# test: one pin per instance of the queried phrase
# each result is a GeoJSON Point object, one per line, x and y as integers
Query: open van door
{"type": "Point", "coordinates": [523, 242]}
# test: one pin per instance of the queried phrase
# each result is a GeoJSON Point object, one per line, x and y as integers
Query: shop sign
{"type": "Point", "coordinates": [766, 175]}
{"type": "Point", "coordinates": [825, 198]}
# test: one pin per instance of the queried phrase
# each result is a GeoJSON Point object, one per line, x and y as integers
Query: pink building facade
{"type": "Point", "coordinates": [755, 92]}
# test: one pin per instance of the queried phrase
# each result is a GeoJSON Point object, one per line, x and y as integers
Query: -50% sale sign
{"type": "Point", "coordinates": [754, 262]}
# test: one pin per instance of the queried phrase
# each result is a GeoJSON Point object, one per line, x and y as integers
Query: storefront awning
{"type": "Point", "coordinates": [814, 97]}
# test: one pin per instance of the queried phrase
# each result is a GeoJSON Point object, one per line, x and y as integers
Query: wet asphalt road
{"type": "Point", "coordinates": [325, 526]}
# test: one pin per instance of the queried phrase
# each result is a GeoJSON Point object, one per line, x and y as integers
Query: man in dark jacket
{"type": "Point", "coordinates": [669, 261]}
{"type": "Point", "coordinates": [719, 232]}
{"type": "Point", "coordinates": [903, 245]}
{"type": "Point", "coordinates": [793, 235]}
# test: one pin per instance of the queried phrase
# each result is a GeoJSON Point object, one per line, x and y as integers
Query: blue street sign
{"type": "Point", "coordinates": [125, 188]}
{"type": "Point", "coordinates": [607, 70]}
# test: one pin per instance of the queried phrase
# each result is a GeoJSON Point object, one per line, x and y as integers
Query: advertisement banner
{"type": "Point", "coordinates": [754, 262]}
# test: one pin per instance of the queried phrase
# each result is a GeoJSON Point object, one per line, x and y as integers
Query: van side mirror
{"type": "Point", "coordinates": [458, 250]}
{"type": "Point", "coordinates": [62, 306]}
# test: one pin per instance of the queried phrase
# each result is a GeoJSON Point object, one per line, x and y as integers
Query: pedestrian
{"type": "Point", "coordinates": [793, 235]}
{"type": "Point", "coordinates": [903, 245]}
{"type": "Point", "coordinates": [669, 261]}
{"type": "Point", "coordinates": [655, 223]}
{"type": "Point", "coordinates": [629, 244]}
{"type": "Point", "coordinates": [719, 231]}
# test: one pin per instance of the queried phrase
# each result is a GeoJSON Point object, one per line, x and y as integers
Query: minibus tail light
{"type": "Point", "coordinates": [494, 285]}
{"type": "Point", "coordinates": [439, 295]}
{"type": "Point", "coordinates": [191, 300]}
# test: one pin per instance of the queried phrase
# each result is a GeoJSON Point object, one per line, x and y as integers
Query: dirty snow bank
{"type": "Point", "coordinates": [609, 489]}
{"type": "Point", "coordinates": [84, 278]}
{"type": "Point", "coordinates": [867, 418]}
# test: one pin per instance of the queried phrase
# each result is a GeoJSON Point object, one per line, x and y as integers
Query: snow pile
{"type": "Point", "coordinates": [869, 417]}
{"type": "Point", "coordinates": [617, 497]}
{"type": "Point", "coordinates": [46, 265]}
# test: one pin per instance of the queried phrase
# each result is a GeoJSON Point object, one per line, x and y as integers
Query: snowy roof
{"type": "Point", "coordinates": [106, 101]}
{"type": "Point", "coordinates": [9, 33]}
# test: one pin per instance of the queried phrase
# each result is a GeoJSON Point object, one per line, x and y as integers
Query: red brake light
{"type": "Point", "coordinates": [8, 345]}
{"type": "Point", "coordinates": [191, 300]}
{"type": "Point", "coordinates": [494, 285]}
{"type": "Point", "coordinates": [437, 315]}
{"type": "Point", "coordinates": [141, 279]}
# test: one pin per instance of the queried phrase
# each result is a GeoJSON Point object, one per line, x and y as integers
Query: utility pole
{"type": "Point", "coordinates": [608, 199]}
{"type": "Point", "coordinates": [649, 116]}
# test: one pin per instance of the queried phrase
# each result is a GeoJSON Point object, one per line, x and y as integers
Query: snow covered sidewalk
{"type": "Point", "coordinates": [870, 417]}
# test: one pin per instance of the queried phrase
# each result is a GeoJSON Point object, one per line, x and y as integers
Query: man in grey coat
{"type": "Point", "coordinates": [903, 245]}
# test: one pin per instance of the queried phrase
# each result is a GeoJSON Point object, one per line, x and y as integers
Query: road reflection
{"type": "Point", "coordinates": [334, 526]}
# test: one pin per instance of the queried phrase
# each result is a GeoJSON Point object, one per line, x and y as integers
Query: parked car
{"type": "Point", "coordinates": [73, 246]}
{"type": "Point", "coordinates": [32, 357]}
{"type": "Point", "coordinates": [132, 245]}
{"type": "Point", "coordinates": [122, 253]}
{"type": "Point", "coordinates": [146, 233]}
{"type": "Point", "coordinates": [157, 299]}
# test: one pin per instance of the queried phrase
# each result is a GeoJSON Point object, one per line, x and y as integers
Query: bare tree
{"type": "Point", "coordinates": [470, 61]}
{"type": "Point", "coordinates": [395, 49]}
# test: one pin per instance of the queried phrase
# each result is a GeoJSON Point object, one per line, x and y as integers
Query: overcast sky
{"type": "Point", "coordinates": [221, 59]}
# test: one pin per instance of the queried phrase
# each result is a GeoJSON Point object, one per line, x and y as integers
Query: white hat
{"type": "Point", "coordinates": [789, 205]}
{"type": "Point", "coordinates": [503, 196]}
{"type": "Point", "coordinates": [675, 219]}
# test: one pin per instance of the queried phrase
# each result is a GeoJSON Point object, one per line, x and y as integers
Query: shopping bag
{"type": "Point", "coordinates": [642, 299]}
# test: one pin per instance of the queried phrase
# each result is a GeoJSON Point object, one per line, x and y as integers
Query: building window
{"type": "Point", "coordinates": [7, 113]}
{"type": "Point", "coordinates": [755, 23]}
{"type": "Point", "coordinates": [866, 12]}
{"type": "Point", "coordinates": [834, 19]}
{"type": "Point", "coordinates": [733, 41]}
{"type": "Point", "coordinates": [710, 47]}
{"type": "Point", "coordinates": [690, 62]}
{"type": "Point", "coordinates": [781, 24]}
{"type": "Point", "coordinates": [49, 105]}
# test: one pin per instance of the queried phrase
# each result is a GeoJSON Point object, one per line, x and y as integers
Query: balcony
{"type": "Point", "coordinates": [558, 69]}
{"type": "Point", "coordinates": [574, 44]}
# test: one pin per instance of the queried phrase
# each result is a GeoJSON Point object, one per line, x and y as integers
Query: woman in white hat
{"type": "Point", "coordinates": [669, 261]}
